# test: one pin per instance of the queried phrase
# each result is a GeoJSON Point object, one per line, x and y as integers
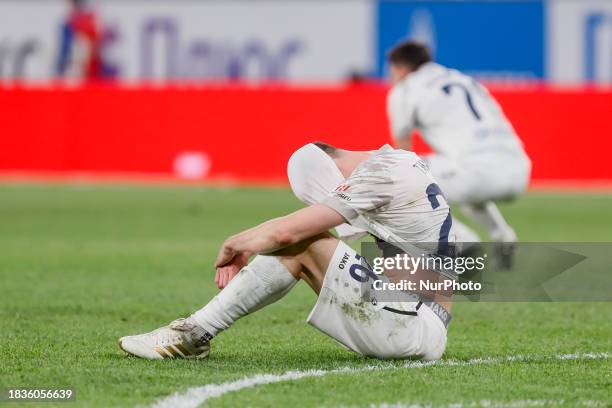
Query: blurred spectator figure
{"type": "Point", "coordinates": [81, 45]}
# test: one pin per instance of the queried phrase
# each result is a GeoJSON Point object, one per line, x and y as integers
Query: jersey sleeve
{"type": "Point", "coordinates": [401, 113]}
{"type": "Point", "coordinates": [359, 195]}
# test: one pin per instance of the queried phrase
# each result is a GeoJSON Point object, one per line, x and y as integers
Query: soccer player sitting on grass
{"type": "Point", "coordinates": [389, 193]}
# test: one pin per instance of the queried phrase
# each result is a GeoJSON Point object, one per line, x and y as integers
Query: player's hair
{"type": "Point", "coordinates": [411, 54]}
{"type": "Point", "coordinates": [327, 148]}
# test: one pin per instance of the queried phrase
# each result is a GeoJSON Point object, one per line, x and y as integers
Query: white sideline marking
{"type": "Point", "coordinates": [195, 396]}
{"type": "Point", "coordinates": [493, 404]}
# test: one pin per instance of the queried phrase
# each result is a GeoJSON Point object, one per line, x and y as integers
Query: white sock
{"type": "Point", "coordinates": [262, 282]}
{"type": "Point", "coordinates": [491, 219]}
{"type": "Point", "coordinates": [465, 236]}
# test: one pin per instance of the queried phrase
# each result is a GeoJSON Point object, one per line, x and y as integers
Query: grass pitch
{"type": "Point", "coordinates": [81, 266]}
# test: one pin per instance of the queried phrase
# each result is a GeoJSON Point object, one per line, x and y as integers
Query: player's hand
{"type": "Point", "coordinates": [227, 272]}
{"type": "Point", "coordinates": [228, 254]}
{"type": "Point", "coordinates": [225, 256]}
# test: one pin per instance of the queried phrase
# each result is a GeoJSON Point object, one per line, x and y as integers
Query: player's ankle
{"type": "Point", "coordinates": [504, 235]}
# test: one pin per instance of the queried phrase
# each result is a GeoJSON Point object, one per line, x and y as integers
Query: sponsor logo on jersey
{"type": "Point", "coordinates": [421, 165]}
{"type": "Point", "coordinates": [342, 187]}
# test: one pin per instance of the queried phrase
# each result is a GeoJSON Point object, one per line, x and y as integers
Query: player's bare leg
{"type": "Point", "coordinates": [263, 281]}
{"type": "Point", "coordinates": [308, 260]}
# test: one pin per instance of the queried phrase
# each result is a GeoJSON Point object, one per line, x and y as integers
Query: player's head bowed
{"type": "Point", "coordinates": [313, 173]}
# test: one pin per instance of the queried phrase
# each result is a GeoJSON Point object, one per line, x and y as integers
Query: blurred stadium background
{"type": "Point", "coordinates": [199, 90]}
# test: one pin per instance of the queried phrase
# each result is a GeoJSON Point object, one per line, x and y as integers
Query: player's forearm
{"type": "Point", "coordinates": [266, 237]}
{"type": "Point", "coordinates": [281, 232]}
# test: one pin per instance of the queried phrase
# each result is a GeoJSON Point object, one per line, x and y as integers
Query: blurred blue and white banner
{"type": "Point", "coordinates": [559, 41]}
{"type": "Point", "coordinates": [579, 41]}
{"type": "Point", "coordinates": [500, 40]}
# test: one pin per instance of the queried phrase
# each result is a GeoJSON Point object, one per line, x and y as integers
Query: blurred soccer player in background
{"type": "Point", "coordinates": [478, 157]}
{"type": "Point", "coordinates": [80, 51]}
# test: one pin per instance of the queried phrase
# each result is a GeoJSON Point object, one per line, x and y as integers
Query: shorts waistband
{"type": "Point", "coordinates": [439, 310]}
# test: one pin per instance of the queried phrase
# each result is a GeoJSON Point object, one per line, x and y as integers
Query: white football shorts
{"type": "Point", "coordinates": [480, 177]}
{"type": "Point", "coordinates": [371, 329]}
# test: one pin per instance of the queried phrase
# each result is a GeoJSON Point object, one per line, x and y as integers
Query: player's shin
{"type": "Point", "coordinates": [489, 216]}
{"type": "Point", "coordinates": [262, 282]}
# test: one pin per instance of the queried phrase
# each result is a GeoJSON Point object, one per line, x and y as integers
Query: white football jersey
{"type": "Point", "coordinates": [393, 196]}
{"type": "Point", "coordinates": [453, 112]}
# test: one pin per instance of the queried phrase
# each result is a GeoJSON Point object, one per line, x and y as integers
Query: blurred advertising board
{"type": "Point", "coordinates": [188, 40]}
{"type": "Point", "coordinates": [580, 41]}
{"type": "Point", "coordinates": [247, 133]}
{"type": "Point", "coordinates": [557, 41]}
{"type": "Point", "coordinates": [496, 40]}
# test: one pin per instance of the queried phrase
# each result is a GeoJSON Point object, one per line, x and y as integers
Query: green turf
{"type": "Point", "coordinates": [81, 266]}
